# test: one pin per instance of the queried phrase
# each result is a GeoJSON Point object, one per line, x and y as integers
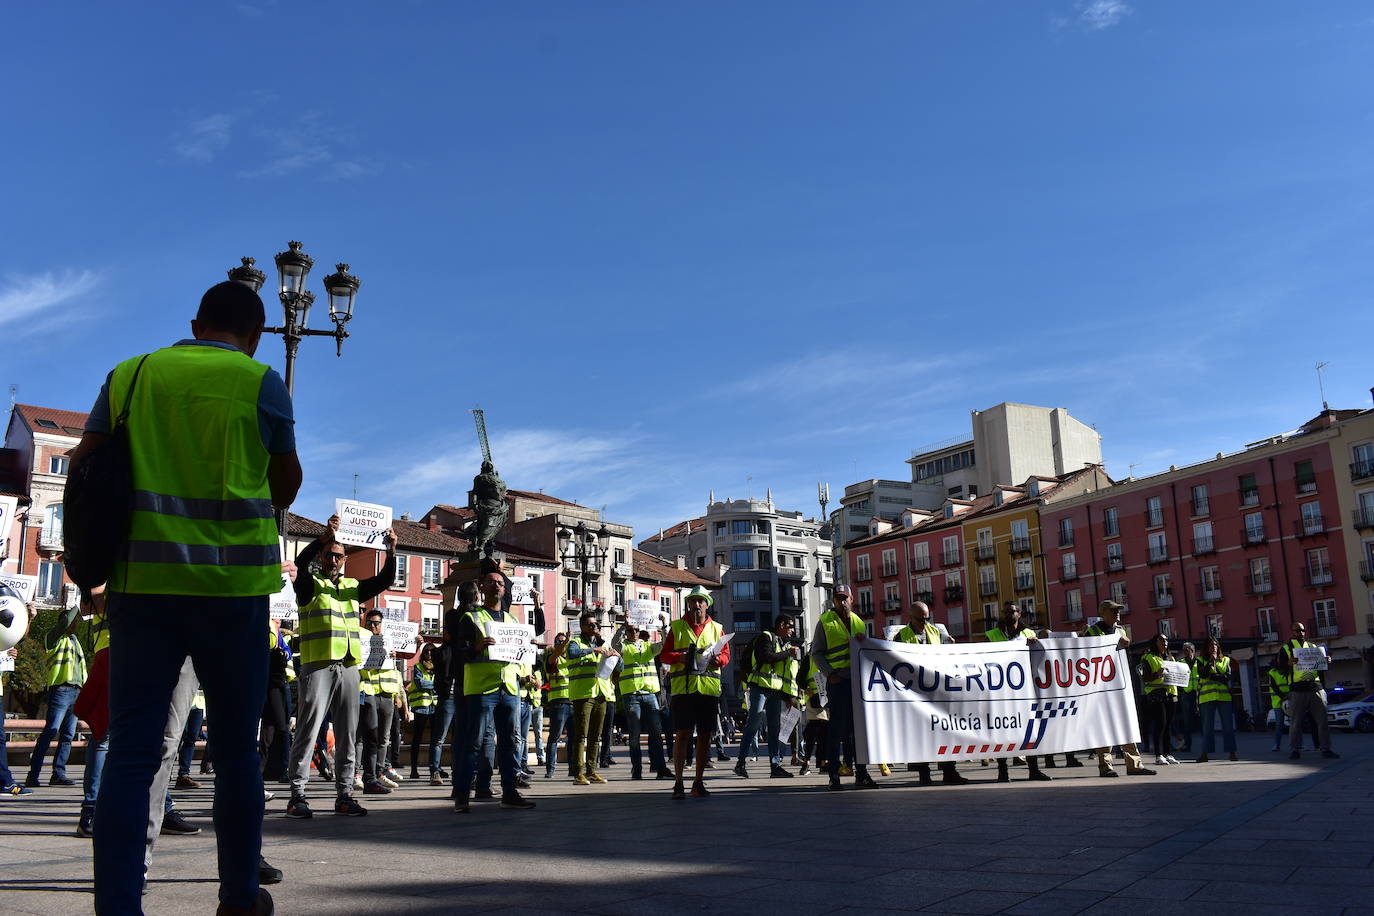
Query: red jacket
{"type": "Point", "coordinates": [671, 655]}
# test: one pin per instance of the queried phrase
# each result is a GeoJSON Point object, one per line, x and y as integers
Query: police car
{"type": "Point", "coordinates": [1357, 715]}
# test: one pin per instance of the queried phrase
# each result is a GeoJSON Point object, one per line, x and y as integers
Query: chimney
{"type": "Point", "coordinates": [681, 561]}
{"type": "Point", "coordinates": [432, 523]}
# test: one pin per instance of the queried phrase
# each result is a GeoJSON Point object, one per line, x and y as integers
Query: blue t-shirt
{"type": "Point", "coordinates": [276, 422]}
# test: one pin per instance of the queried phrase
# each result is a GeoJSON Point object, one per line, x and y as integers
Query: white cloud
{"type": "Point", "coordinates": [205, 138]}
{"type": "Point", "coordinates": [1096, 15]}
{"type": "Point", "coordinates": [32, 301]}
{"type": "Point", "coordinates": [300, 148]}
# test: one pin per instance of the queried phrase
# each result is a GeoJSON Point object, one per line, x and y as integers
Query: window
{"type": "Point", "coordinates": [1025, 576]}
{"type": "Point", "coordinates": [862, 573]}
{"type": "Point", "coordinates": [49, 581]}
{"type": "Point", "coordinates": [920, 556]}
{"type": "Point", "coordinates": [720, 529]}
{"type": "Point", "coordinates": [1159, 547]}
{"type": "Point", "coordinates": [701, 561]}
{"type": "Point", "coordinates": [1249, 490]}
{"type": "Point", "coordinates": [1166, 626]}
{"type": "Point", "coordinates": [619, 555]}
{"type": "Point", "coordinates": [1163, 590]}
{"type": "Point", "coordinates": [891, 599]}
{"type": "Point", "coordinates": [402, 568]}
{"type": "Point", "coordinates": [618, 595]}
{"type": "Point", "coordinates": [58, 464]}
{"type": "Point", "coordinates": [720, 559]}
{"type": "Point", "coordinates": [1363, 464]}
{"type": "Point", "coordinates": [665, 604]}
{"type": "Point", "coordinates": [1069, 570]}
{"type": "Point", "coordinates": [52, 524]}
{"type": "Point", "coordinates": [1027, 612]}
{"type": "Point", "coordinates": [1115, 563]}
{"type": "Point", "coordinates": [1268, 630]}
{"type": "Point", "coordinates": [1312, 518]}
{"type": "Point", "coordinates": [765, 559]}
{"type": "Point", "coordinates": [1111, 527]}
{"type": "Point", "coordinates": [1020, 535]}
{"type": "Point", "coordinates": [1210, 579]}
{"type": "Point", "coordinates": [642, 596]}
{"type": "Point", "coordinates": [746, 623]}
{"type": "Point", "coordinates": [1201, 505]}
{"type": "Point", "coordinates": [1261, 582]}
{"type": "Point", "coordinates": [1318, 566]}
{"type": "Point", "coordinates": [1154, 512]}
{"type": "Point", "coordinates": [1073, 604]}
{"type": "Point", "coordinates": [1066, 532]}
{"type": "Point", "coordinates": [742, 559]}
{"type": "Point", "coordinates": [1214, 625]}
{"type": "Point", "coordinates": [1118, 594]}
{"type": "Point", "coordinates": [1324, 612]}
{"type": "Point", "coordinates": [987, 581]}
{"type": "Point", "coordinates": [742, 590]}
{"type": "Point", "coordinates": [923, 592]}
{"type": "Point", "coordinates": [1202, 538]}
{"type": "Point", "coordinates": [954, 579]}
{"type": "Point", "coordinates": [797, 562]}
{"type": "Point", "coordinates": [432, 573]}
{"type": "Point", "coordinates": [865, 601]}
{"type": "Point", "coordinates": [1305, 477]}
{"type": "Point", "coordinates": [889, 562]}
{"type": "Point", "coordinates": [951, 551]}
{"type": "Point", "coordinates": [396, 609]}
{"type": "Point", "coordinates": [989, 615]}
{"type": "Point", "coordinates": [430, 615]}
{"type": "Point", "coordinates": [956, 621]}
{"type": "Point", "coordinates": [765, 591]}
{"type": "Point", "coordinates": [741, 526]}
{"type": "Point", "coordinates": [1254, 527]}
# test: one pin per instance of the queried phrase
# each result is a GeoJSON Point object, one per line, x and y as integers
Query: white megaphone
{"type": "Point", "coordinates": [14, 618]}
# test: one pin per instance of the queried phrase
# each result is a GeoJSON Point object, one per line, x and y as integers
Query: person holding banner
{"type": "Point", "coordinates": [330, 652]}
{"type": "Point", "coordinates": [638, 689]}
{"type": "Point", "coordinates": [589, 687]}
{"type": "Point", "coordinates": [1008, 628]}
{"type": "Point", "coordinates": [1214, 699]}
{"type": "Point", "coordinates": [1110, 623]}
{"type": "Point", "coordinates": [774, 666]}
{"type": "Point", "coordinates": [491, 699]}
{"type": "Point", "coordinates": [920, 631]}
{"type": "Point", "coordinates": [830, 641]}
{"type": "Point", "coordinates": [1160, 699]}
{"type": "Point", "coordinates": [1307, 697]}
{"type": "Point", "coordinates": [694, 649]}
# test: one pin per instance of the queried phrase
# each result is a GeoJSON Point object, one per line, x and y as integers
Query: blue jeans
{"type": "Point", "coordinates": [537, 724]}
{"type": "Point", "coordinates": [1228, 725]}
{"type": "Point", "coordinates": [641, 713]}
{"type": "Point", "coordinates": [763, 706]}
{"type": "Point", "coordinates": [1280, 727]}
{"type": "Point", "coordinates": [150, 638]}
{"type": "Point", "coordinates": [499, 711]}
{"type": "Point", "coordinates": [444, 711]}
{"type": "Point", "coordinates": [61, 725]}
{"type": "Point", "coordinates": [95, 767]}
{"type": "Point", "coordinates": [6, 777]}
{"type": "Point", "coordinates": [560, 714]}
{"type": "Point", "coordinates": [187, 752]}
{"type": "Point", "coordinates": [841, 730]}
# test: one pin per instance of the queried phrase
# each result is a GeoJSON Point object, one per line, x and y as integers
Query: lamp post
{"type": "Point", "coordinates": [587, 551]}
{"type": "Point", "coordinates": [293, 267]}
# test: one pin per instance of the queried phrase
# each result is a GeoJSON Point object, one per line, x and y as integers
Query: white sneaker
{"type": "Point", "coordinates": [388, 781]}
{"type": "Point", "coordinates": [1161, 761]}
{"type": "Point", "coordinates": [358, 782]}
{"type": "Point", "coordinates": [267, 796]}
{"type": "Point", "coordinates": [1171, 759]}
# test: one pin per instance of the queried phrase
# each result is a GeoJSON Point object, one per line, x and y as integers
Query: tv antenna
{"type": "Point", "coordinates": [355, 486]}
{"type": "Point", "coordinates": [1321, 386]}
{"type": "Point", "coordinates": [823, 497]}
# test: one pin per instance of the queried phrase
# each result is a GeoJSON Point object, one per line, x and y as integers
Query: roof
{"type": "Point", "coordinates": [933, 523]}
{"type": "Point", "coordinates": [300, 526]}
{"type": "Point", "coordinates": [692, 525]}
{"type": "Point", "coordinates": [540, 497]}
{"type": "Point", "coordinates": [52, 421]}
{"type": "Point", "coordinates": [415, 536]}
{"type": "Point", "coordinates": [650, 568]}
{"type": "Point", "coordinates": [462, 511]}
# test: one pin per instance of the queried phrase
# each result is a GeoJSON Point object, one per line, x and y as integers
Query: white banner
{"type": "Point", "coordinates": [361, 524]}
{"type": "Point", "coordinates": [282, 605]}
{"type": "Point", "coordinates": [401, 636]}
{"type": "Point", "coordinates": [642, 613]}
{"type": "Point", "coordinates": [1310, 658]}
{"type": "Point", "coordinates": [1176, 674]}
{"type": "Point", "coordinates": [512, 643]}
{"type": "Point", "coordinates": [9, 505]}
{"type": "Point", "coordinates": [24, 586]}
{"type": "Point", "coordinates": [520, 587]}
{"type": "Point", "coordinates": [918, 703]}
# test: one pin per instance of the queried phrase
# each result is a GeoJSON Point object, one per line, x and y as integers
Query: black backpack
{"type": "Point", "coordinates": [97, 503]}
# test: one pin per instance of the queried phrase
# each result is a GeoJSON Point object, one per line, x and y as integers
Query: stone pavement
{"type": "Point", "coordinates": [1261, 835]}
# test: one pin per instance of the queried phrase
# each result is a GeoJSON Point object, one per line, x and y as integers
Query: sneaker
{"type": "Point", "coordinates": [414, 774]}
{"type": "Point", "coordinates": [664, 773]}
{"type": "Point", "coordinates": [741, 770]}
{"type": "Point", "coordinates": [390, 773]}
{"type": "Point", "coordinates": [15, 788]}
{"type": "Point", "coordinates": [298, 807]}
{"type": "Point", "coordinates": [1173, 761]}
{"type": "Point", "coordinates": [267, 796]}
{"type": "Point", "coordinates": [435, 779]}
{"type": "Point", "coordinates": [1107, 773]}
{"type": "Point", "coordinates": [516, 801]}
{"type": "Point", "coordinates": [678, 791]}
{"type": "Point", "coordinates": [186, 782]}
{"type": "Point", "coordinates": [846, 770]}
{"type": "Point", "coordinates": [1038, 776]}
{"type": "Point", "coordinates": [1072, 761]}
{"type": "Point", "coordinates": [267, 874]}
{"type": "Point", "coordinates": [522, 782]}
{"type": "Point", "coordinates": [699, 789]}
{"type": "Point", "coordinates": [548, 773]}
{"type": "Point", "coordinates": [805, 768]}
{"type": "Point", "coordinates": [593, 777]}
{"type": "Point", "coordinates": [376, 788]}
{"type": "Point", "coordinates": [387, 781]}
{"type": "Point", "coordinates": [346, 806]}
{"type": "Point", "coordinates": [777, 772]}
{"type": "Point", "coordinates": [32, 781]}
{"type": "Point", "coordinates": [722, 756]}
{"type": "Point", "coordinates": [864, 781]}
{"type": "Point", "coordinates": [1329, 755]}
{"type": "Point", "coordinates": [581, 780]}
{"type": "Point", "coordinates": [85, 825]}
{"type": "Point", "coordinates": [461, 806]}
{"type": "Point", "coordinates": [1003, 776]}
{"type": "Point", "coordinates": [173, 824]}
{"type": "Point", "coordinates": [835, 786]}
{"type": "Point", "coordinates": [484, 793]}
{"type": "Point", "coordinates": [357, 783]}
{"type": "Point", "coordinates": [1141, 771]}
{"type": "Point", "coordinates": [61, 781]}
{"type": "Point", "coordinates": [1164, 761]}
{"type": "Point", "coordinates": [443, 773]}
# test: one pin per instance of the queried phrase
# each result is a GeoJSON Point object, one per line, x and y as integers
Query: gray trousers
{"type": "Point", "coordinates": [182, 696]}
{"type": "Point", "coordinates": [326, 689]}
{"type": "Point", "coordinates": [1301, 704]}
{"type": "Point", "coordinates": [375, 730]}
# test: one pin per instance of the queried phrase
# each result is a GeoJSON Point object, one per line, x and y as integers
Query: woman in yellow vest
{"type": "Point", "coordinates": [1214, 699]}
{"type": "Point", "coordinates": [1280, 681]}
{"type": "Point", "coordinates": [421, 697]}
{"type": "Point", "coordinates": [1160, 699]}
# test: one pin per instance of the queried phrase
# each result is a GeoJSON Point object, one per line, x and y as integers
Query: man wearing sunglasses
{"type": "Point", "coordinates": [330, 653]}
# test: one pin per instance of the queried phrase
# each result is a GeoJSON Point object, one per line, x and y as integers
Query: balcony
{"type": "Point", "coordinates": [1201, 507]}
{"type": "Point", "coordinates": [863, 575]}
{"type": "Point", "coordinates": [925, 597]}
{"type": "Point", "coordinates": [1021, 545]}
{"type": "Point", "coordinates": [1208, 593]}
{"type": "Point", "coordinates": [1262, 635]}
{"type": "Point", "coordinates": [1309, 527]}
{"type": "Point", "coordinates": [1252, 536]}
{"type": "Point", "coordinates": [1366, 571]}
{"type": "Point", "coordinates": [949, 558]}
{"type": "Point", "coordinates": [1154, 519]}
{"type": "Point", "coordinates": [50, 539]}
{"type": "Point", "coordinates": [987, 589]}
{"type": "Point", "coordinates": [1158, 555]}
{"type": "Point", "coordinates": [920, 563]}
{"type": "Point", "coordinates": [1110, 529]}
{"type": "Point", "coordinates": [1363, 518]}
{"type": "Point", "coordinates": [1025, 583]}
{"type": "Point", "coordinates": [760, 540]}
{"type": "Point", "coordinates": [1066, 539]}
{"type": "Point", "coordinates": [1161, 601]}
{"type": "Point", "coordinates": [621, 571]}
{"type": "Point", "coordinates": [1362, 470]}
{"type": "Point", "coordinates": [824, 577]}
{"type": "Point", "coordinates": [987, 551]}
{"type": "Point", "coordinates": [1326, 626]}
{"type": "Point", "coordinates": [1316, 578]}
{"type": "Point", "coordinates": [1068, 573]}
{"type": "Point", "coordinates": [954, 594]}
{"type": "Point", "coordinates": [1073, 612]}
{"type": "Point", "coordinates": [1114, 564]}
{"type": "Point", "coordinates": [1204, 545]}
{"type": "Point", "coordinates": [1249, 497]}
{"type": "Point", "coordinates": [1257, 589]}
{"type": "Point", "coordinates": [1306, 486]}
{"type": "Point", "coordinates": [892, 604]}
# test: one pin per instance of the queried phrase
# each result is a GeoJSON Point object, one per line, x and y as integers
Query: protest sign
{"type": "Point", "coordinates": [1176, 674]}
{"type": "Point", "coordinates": [401, 636]}
{"type": "Point", "coordinates": [375, 651]}
{"type": "Point", "coordinates": [787, 723]}
{"type": "Point", "coordinates": [395, 613]}
{"type": "Point", "coordinates": [822, 696]}
{"type": "Point", "coordinates": [607, 667]}
{"type": "Point", "coordinates": [7, 662]}
{"type": "Point", "coordinates": [24, 586]}
{"type": "Point", "coordinates": [361, 524]}
{"type": "Point", "coordinates": [1310, 658]}
{"type": "Point", "coordinates": [520, 590]}
{"type": "Point", "coordinates": [891, 630]}
{"type": "Point", "coordinates": [512, 642]}
{"type": "Point", "coordinates": [1000, 699]}
{"type": "Point", "coordinates": [717, 647]}
{"type": "Point", "coordinates": [282, 605]}
{"type": "Point", "coordinates": [642, 614]}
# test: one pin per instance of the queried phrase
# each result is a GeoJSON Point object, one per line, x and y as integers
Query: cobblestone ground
{"type": "Point", "coordinates": [1261, 835]}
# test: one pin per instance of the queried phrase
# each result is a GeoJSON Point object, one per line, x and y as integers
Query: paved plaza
{"type": "Point", "coordinates": [1264, 835]}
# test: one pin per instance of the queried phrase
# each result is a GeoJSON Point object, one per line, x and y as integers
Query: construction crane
{"type": "Point", "coordinates": [481, 422]}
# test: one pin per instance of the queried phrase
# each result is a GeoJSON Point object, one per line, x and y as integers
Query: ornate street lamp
{"type": "Point", "coordinates": [293, 269]}
{"type": "Point", "coordinates": [586, 550]}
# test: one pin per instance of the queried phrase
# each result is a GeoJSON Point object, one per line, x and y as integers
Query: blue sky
{"type": "Point", "coordinates": [669, 248]}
